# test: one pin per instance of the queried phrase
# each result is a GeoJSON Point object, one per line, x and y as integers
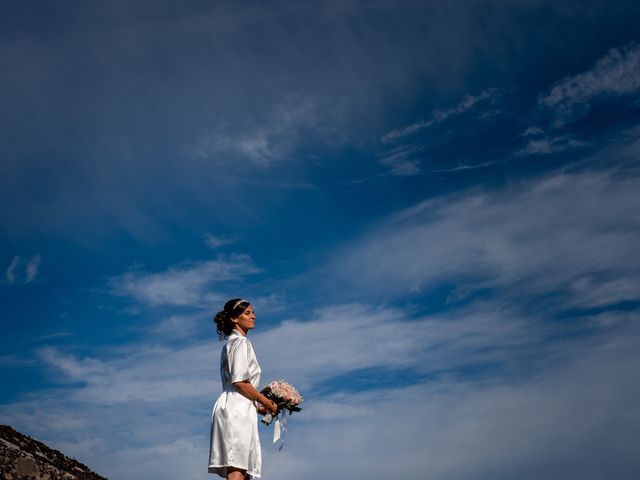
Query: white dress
{"type": "Point", "coordinates": [234, 421]}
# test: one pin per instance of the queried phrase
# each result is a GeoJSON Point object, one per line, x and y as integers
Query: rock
{"type": "Point", "coordinates": [22, 458]}
{"type": "Point", "coordinates": [27, 466]}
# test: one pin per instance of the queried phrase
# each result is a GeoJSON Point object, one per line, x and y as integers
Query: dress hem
{"type": "Point", "coordinates": [215, 469]}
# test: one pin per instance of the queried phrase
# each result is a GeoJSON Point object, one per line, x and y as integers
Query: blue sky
{"type": "Point", "coordinates": [433, 207]}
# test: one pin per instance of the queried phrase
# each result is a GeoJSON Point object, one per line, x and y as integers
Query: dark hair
{"type": "Point", "coordinates": [232, 309]}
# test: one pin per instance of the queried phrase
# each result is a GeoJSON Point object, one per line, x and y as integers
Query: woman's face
{"type": "Point", "coordinates": [246, 320]}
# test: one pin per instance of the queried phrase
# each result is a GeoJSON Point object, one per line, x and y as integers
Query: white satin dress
{"type": "Point", "coordinates": [234, 421]}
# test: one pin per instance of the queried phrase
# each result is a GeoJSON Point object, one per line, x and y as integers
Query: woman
{"type": "Point", "coordinates": [235, 445]}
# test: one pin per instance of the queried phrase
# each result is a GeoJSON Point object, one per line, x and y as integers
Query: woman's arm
{"type": "Point", "coordinates": [247, 390]}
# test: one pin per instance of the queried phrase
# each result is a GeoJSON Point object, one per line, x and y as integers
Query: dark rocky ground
{"type": "Point", "coordinates": [22, 458]}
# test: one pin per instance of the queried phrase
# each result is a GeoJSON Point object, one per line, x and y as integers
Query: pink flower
{"type": "Point", "coordinates": [284, 395]}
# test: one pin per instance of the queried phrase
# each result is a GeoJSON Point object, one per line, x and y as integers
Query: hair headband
{"type": "Point", "coordinates": [242, 300]}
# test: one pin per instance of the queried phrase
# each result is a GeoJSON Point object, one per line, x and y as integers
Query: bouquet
{"type": "Point", "coordinates": [284, 395]}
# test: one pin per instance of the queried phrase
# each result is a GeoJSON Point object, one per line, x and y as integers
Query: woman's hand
{"type": "Point", "coordinates": [271, 406]}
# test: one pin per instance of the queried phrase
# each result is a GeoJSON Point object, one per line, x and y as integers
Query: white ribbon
{"type": "Point", "coordinates": [280, 429]}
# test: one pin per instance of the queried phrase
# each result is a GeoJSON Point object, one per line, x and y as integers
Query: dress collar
{"type": "Point", "coordinates": [237, 332]}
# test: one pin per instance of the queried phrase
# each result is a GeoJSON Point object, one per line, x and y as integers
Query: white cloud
{"type": "Point", "coordinates": [617, 73]}
{"type": "Point", "coordinates": [32, 267]}
{"type": "Point", "coordinates": [469, 166]}
{"type": "Point", "coordinates": [148, 373]}
{"type": "Point", "coordinates": [574, 410]}
{"type": "Point", "coordinates": [10, 273]}
{"type": "Point", "coordinates": [438, 116]}
{"type": "Point", "coordinates": [564, 423]}
{"type": "Point", "coordinates": [189, 284]}
{"type": "Point", "coordinates": [272, 139]}
{"type": "Point", "coordinates": [331, 343]}
{"type": "Point", "coordinates": [598, 292]}
{"type": "Point", "coordinates": [532, 132]}
{"type": "Point", "coordinates": [23, 271]}
{"type": "Point", "coordinates": [85, 369]}
{"type": "Point", "coordinates": [178, 325]}
{"type": "Point", "coordinates": [544, 145]}
{"type": "Point", "coordinates": [533, 237]}
{"type": "Point", "coordinates": [336, 341]}
{"type": "Point", "coordinates": [217, 241]}
{"type": "Point", "coordinates": [400, 163]}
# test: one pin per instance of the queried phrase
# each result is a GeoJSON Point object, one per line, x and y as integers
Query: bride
{"type": "Point", "coordinates": [235, 446]}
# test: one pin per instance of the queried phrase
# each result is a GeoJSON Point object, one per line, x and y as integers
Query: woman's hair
{"type": "Point", "coordinates": [232, 309]}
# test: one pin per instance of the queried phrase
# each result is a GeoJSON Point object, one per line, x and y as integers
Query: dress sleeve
{"type": "Point", "coordinates": [238, 355]}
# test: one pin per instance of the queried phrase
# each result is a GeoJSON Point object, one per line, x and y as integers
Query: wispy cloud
{"type": "Point", "coordinates": [536, 237]}
{"type": "Point", "coordinates": [547, 145]}
{"type": "Point", "coordinates": [438, 116]}
{"type": "Point", "coordinates": [311, 354]}
{"type": "Point", "coordinates": [33, 265]}
{"type": "Point", "coordinates": [178, 326]}
{"type": "Point", "coordinates": [108, 414]}
{"type": "Point", "coordinates": [400, 161]}
{"type": "Point", "coordinates": [402, 156]}
{"type": "Point", "coordinates": [568, 414]}
{"type": "Point", "coordinates": [532, 131]}
{"type": "Point", "coordinates": [272, 139]}
{"type": "Point", "coordinates": [10, 273]}
{"type": "Point", "coordinates": [152, 373]}
{"type": "Point", "coordinates": [190, 284]}
{"type": "Point", "coordinates": [217, 241]}
{"type": "Point", "coordinates": [85, 369]}
{"type": "Point", "coordinates": [428, 345]}
{"type": "Point", "coordinates": [616, 74]}
{"type": "Point", "coordinates": [23, 271]}
{"type": "Point", "coordinates": [467, 166]}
